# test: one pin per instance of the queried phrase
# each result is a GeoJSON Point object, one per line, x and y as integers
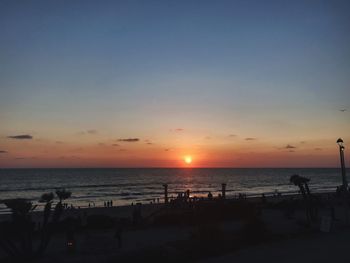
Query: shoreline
{"type": "Point", "coordinates": [147, 201]}
{"type": "Point", "coordinates": [147, 208]}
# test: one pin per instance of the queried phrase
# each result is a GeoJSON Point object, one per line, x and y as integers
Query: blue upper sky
{"type": "Point", "coordinates": [147, 66]}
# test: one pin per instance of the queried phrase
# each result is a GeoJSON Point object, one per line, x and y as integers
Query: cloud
{"type": "Point", "coordinates": [59, 142]}
{"type": "Point", "coordinates": [303, 142]}
{"type": "Point", "coordinates": [21, 137]}
{"type": "Point", "coordinates": [318, 149]}
{"type": "Point", "coordinates": [115, 145]}
{"type": "Point", "coordinates": [288, 146]}
{"type": "Point", "coordinates": [232, 135]}
{"type": "Point", "coordinates": [2, 151]}
{"type": "Point", "coordinates": [250, 139]}
{"type": "Point", "coordinates": [129, 140]}
{"type": "Point", "coordinates": [177, 130]}
{"type": "Point", "coordinates": [148, 142]}
{"type": "Point", "coordinates": [91, 132]}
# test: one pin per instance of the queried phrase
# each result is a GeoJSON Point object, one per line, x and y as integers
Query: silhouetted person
{"type": "Point", "coordinates": [210, 196]}
{"type": "Point", "coordinates": [263, 199]}
{"type": "Point", "coordinates": [165, 193]}
{"type": "Point", "coordinates": [223, 191]}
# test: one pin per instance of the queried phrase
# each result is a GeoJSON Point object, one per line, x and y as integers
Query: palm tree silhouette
{"type": "Point", "coordinates": [63, 194]}
{"type": "Point", "coordinates": [22, 226]}
{"type": "Point", "coordinates": [16, 237]}
{"type": "Point", "coordinates": [47, 198]}
{"type": "Point", "coordinates": [302, 183]}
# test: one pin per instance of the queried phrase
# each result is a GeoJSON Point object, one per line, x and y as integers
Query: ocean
{"type": "Point", "coordinates": [124, 186]}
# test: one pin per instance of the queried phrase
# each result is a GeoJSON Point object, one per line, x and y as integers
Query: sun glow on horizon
{"type": "Point", "coordinates": [188, 159]}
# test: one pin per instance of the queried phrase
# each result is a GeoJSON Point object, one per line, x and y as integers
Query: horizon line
{"type": "Point", "coordinates": [155, 167]}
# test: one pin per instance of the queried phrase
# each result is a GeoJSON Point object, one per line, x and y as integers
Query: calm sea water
{"type": "Point", "coordinates": [124, 186]}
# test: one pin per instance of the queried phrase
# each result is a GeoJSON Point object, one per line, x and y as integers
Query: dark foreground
{"type": "Point", "coordinates": [215, 230]}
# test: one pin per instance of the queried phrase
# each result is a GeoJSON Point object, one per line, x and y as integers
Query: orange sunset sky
{"type": "Point", "coordinates": [130, 84]}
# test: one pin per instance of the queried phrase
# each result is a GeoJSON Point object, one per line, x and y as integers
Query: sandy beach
{"type": "Point", "coordinates": [153, 240]}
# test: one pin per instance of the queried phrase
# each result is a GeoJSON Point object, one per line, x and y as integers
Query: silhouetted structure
{"type": "Point", "coordinates": [342, 163]}
{"type": "Point", "coordinates": [223, 191]}
{"type": "Point", "coordinates": [165, 193]}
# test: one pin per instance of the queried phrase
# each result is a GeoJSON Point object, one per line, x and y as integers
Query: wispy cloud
{"type": "Point", "coordinates": [115, 145]}
{"type": "Point", "coordinates": [250, 139]}
{"type": "Point", "coordinates": [318, 149]}
{"type": "Point", "coordinates": [91, 132]}
{"type": "Point", "coordinates": [288, 146]}
{"type": "Point", "coordinates": [2, 151]}
{"type": "Point", "coordinates": [148, 142]}
{"type": "Point", "coordinates": [59, 142]}
{"type": "Point", "coordinates": [21, 137]}
{"type": "Point", "coordinates": [129, 140]}
{"type": "Point", "coordinates": [232, 135]}
{"type": "Point", "coordinates": [177, 130]}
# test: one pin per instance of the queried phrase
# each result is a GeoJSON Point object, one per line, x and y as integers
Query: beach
{"type": "Point", "coordinates": [155, 238]}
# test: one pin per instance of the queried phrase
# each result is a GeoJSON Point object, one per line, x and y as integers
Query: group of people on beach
{"type": "Point", "coordinates": [108, 203]}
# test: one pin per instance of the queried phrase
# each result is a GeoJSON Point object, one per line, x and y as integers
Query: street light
{"type": "Point", "coordinates": [342, 162]}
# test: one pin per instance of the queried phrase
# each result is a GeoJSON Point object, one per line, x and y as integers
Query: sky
{"type": "Point", "coordinates": [147, 83]}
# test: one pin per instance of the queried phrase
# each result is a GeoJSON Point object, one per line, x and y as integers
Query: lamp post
{"type": "Point", "coordinates": [342, 162]}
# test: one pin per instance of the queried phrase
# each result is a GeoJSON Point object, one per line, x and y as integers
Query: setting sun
{"type": "Point", "coordinates": [188, 159]}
